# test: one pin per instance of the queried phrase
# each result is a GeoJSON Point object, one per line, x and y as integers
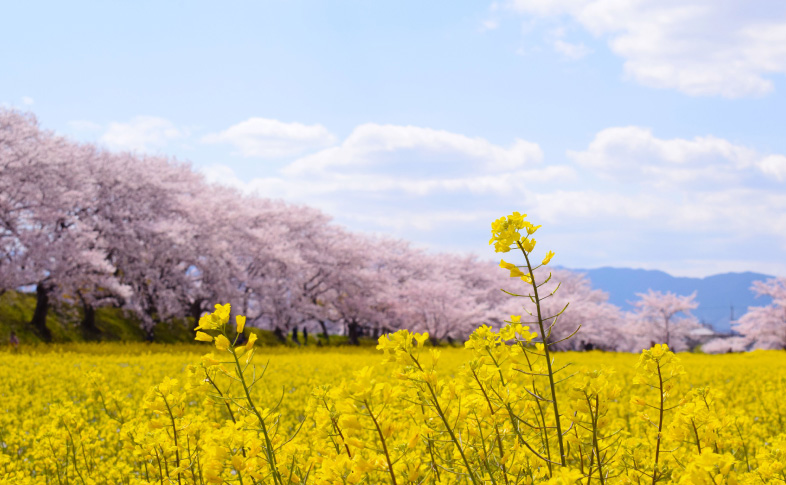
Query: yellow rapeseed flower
{"type": "Point", "coordinates": [528, 244]}
{"type": "Point", "coordinates": [505, 231]}
{"type": "Point", "coordinates": [203, 337]}
{"type": "Point", "coordinates": [251, 339]}
{"type": "Point", "coordinates": [514, 271]}
{"type": "Point", "coordinates": [222, 343]}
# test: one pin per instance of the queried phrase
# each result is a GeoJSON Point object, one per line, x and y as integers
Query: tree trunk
{"type": "Point", "coordinates": [195, 312]}
{"type": "Point", "coordinates": [668, 335]}
{"type": "Point", "coordinates": [89, 329]}
{"type": "Point", "coordinates": [39, 316]}
{"type": "Point", "coordinates": [280, 335]}
{"type": "Point", "coordinates": [324, 331]}
{"type": "Point", "coordinates": [88, 325]}
{"type": "Point", "coordinates": [353, 331]}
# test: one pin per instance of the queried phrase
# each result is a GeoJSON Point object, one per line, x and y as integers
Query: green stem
{"type": "Point", "coordinates": [545, 435]}
{"type": "Point", "coordinates": [696, 433]}
{"type": "Point", "coordinates": [447, 425]}
{"type": "Point", "coordinates": [73, 452]}
{"type": "Point", "coordinates": [496, 428]}
{"type": "Point", "coordinates": [269, 451]}
{"type": "Point", "coordinates": [160, 471]}
{"type": "Point", "coordinates": [485, 453]}
{"type": "Point", "coordinates": [382, 439]}
{"type": "Point", "coordinates": [595, 417]}
{"type": "Point", "coordinates": [337, 429]}
{"type": "Point", "coordinates": [548, 358]}
{"type": "Point", "coordinates": [174, 433]}
{"type": "Point", "coordinates": [660, 428]}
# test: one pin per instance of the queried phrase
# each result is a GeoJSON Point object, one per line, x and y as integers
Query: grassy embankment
{"type": "Point", "coordinates": [113, 324]}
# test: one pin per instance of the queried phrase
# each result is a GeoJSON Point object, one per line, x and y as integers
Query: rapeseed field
{"type": "Point", "coordinates": [113, 413]}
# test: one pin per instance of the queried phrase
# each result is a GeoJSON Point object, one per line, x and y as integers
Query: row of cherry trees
{"type": "Point", "coordinates": [94, 228]}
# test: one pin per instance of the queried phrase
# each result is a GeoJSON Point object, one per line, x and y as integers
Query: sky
{"type": "Point", "coordinates": [643, 133]}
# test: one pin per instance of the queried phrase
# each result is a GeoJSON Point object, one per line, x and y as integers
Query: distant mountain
{"type": "Point", "coordinates": [719, 296]}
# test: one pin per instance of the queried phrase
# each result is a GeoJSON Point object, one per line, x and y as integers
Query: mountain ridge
{"type": "Point", "coordinates": [721, 297]}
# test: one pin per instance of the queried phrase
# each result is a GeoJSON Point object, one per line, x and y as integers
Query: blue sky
{"type": "Point", "coordinates": [645, 134]}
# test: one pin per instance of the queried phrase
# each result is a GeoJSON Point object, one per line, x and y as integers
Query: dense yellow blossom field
{"type": "Point", "coordinates": [112, 413]}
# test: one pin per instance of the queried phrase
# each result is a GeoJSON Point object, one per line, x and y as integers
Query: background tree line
{"type": "Point", "coordinates": [88, 227]}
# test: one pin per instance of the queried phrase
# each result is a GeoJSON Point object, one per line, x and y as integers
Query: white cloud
{"type": "Point", "coordinates": [632, 152]}
{"type": "Point", "coordinates": [271, 187]}
{"type": "Point", "coordinates": [775, 166]}
{"type": "Point", "coordinates": [547, 7]}
{"type": "Point", "coordinates": [372, 145]}
{"type": "Point", "coordinates": [571, 51]}
{"type": "Point", "coordinates": [293, 187]}
{"type": "Point", "coordinates": [628, 194]}
{"type": "Point", "coordinates": [489, 24]}
{"type": "Point", "coordinates": [420, 167]}
{"type": "Point", "coordinates": [269, 138]}
{"type": "Point", "coordinates": [699, 47]}
{"type": "Point", "coordinates": [427, 220]}
{"type": "Point", "coordinates": [28, 101]}
{"type": "Point", "coordinates": [564, 207]}
{"type": "Point", "coordinates": [142, 133]}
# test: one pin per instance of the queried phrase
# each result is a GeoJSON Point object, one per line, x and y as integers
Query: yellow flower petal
{"type": "Point", "coordinates": [251, 339]}
{"type": "Point", "coordinates": [528, 244]}
{"type": "Point", "coordinates": [203, 337]}
{"type": "Point", "coordinates": [222, 343]}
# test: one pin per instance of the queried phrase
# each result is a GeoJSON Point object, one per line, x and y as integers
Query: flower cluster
{"type": "Point", "coordinates": [505, 232]}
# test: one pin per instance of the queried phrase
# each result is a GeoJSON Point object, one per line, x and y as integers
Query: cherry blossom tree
{"type": "Point", "coordinates": [45, 196]}
{"type": "Point", "coordinates": [449, 299]}
{"type": "Point", "coordinates": [21, 144]}
{"type": "Point", "coordinates": [155, 216]}
{"type": "Point", "coordinates": [726, 344]}
{"type": "Point", "coordinates": [662, 318]}
{"type": "Point", "coordinates": [268, 245]}
{"type": "Point", "coordinates": [765, 326]}
{"type": "Point", "coordinates": [600, 322]}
